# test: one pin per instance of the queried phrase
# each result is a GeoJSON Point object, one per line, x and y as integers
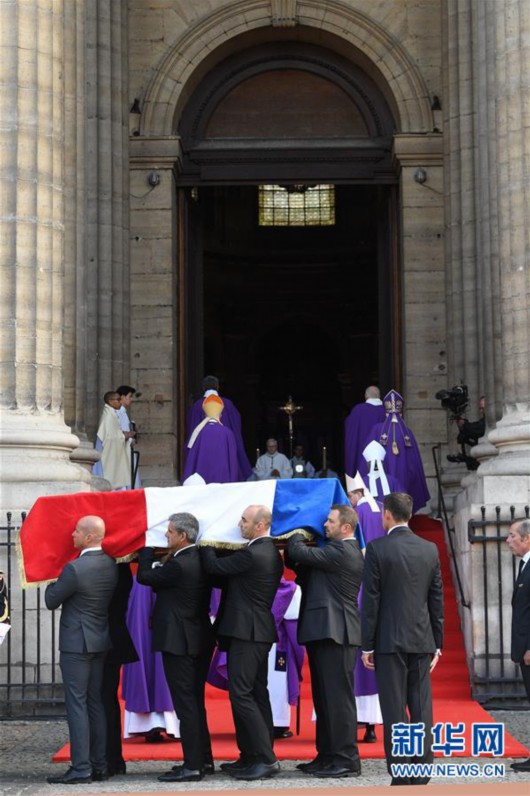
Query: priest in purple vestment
{"type": "Point", "coordinates": [211, 448]}
{"type": "Point", "coordinates": [357, 428]}
{"type": "Point", "coordinates": [403, 461]}
{"type": "Point", "coordinates": [231, 420]}
{"type": "Point", "coordinates": [370, 515]}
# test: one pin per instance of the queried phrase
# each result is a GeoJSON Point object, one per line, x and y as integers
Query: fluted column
{"type": "Point", "coordinates": [461, 259]}
{"type": "Point", "coordinates": [107, 204]}
{"type": "Point", "coordinates": [512, 71]}
{"type": "Point", "coordinates": [35, 443]}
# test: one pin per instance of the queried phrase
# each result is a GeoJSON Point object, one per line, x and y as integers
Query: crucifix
{"type": "Point", "coordinates": [290, 408]}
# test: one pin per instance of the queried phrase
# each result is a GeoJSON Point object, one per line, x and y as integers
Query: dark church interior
{"type": "Point", "coordinates": [294, 311]}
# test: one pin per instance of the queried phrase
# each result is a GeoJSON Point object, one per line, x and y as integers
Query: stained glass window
{"type": "Point", "coordinates": [296, 205]}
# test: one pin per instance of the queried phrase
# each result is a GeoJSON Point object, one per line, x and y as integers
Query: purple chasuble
{"type": "Point", "coordinates": [230, 419]}
{"type": "Point", "coordinates": [287, 642]}
{"type": "Point", "coordinates": [144, 685]}
{"type": "Point", "coordinates": [213, 455]}
{"type": "Point", "coordinates": [357, 428]}
{"type": "Point", "coordinates": [404, 469]}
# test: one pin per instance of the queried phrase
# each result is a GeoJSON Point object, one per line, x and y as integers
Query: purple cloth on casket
{"type": "Point", "coordinates": [213, 455]}
{"type": "Point", "coordinates": [357, 435]}
{"type": "Point", "coordinates": [287, 642]}
{"type": "Point", "coordinates": [144, 685]}
{"type": "Point", "coordinates": [406, 466]}
{"type": "Point", "coordinates": [230, 419]}
{"type": "Point", "coordinates": [371, 523]}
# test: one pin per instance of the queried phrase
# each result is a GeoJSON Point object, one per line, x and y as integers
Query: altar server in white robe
{"type": "Point", "coordinates": [272, 464]}
{"type": "Point", "coordinates": [115, 462]}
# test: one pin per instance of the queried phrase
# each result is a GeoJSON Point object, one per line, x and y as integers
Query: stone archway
{"type": "Point", "coordinates": [383, 50]}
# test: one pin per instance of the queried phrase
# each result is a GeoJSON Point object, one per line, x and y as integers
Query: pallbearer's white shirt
{"type": "Point", "coordinates": [278, 684]}
{"type": "Point", "coordinates": [268, 462]}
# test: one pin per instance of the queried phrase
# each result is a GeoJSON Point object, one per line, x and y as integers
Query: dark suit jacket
{"type": "Point", "coordinates": [251, 577]}
{"type": "Point", "coordinates": [521, 615]}
{"type": "Point", "coordinates": [402, 605]}
{"type": "Point", "coordinates": [84, 589]}
{"type": "Point", "coordinates": [330, 578]}
{"type": "Point", "coordinates": [181, 621]}
{"type": "Point", "coordinates": [123, 650]}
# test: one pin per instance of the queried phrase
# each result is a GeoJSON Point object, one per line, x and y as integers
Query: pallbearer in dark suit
{"type": "Point", "coordinates": [182, 632]}
{"type": "Point", "coordinates": [122, 651]}
{"type": "Point", "coordinates": [84, 590]}
{"type": "Point", "coordinates": [329, 626]}
{"type": "Point", "coordinates": [519, 543]}
{"type": "Point", "coordinates": [402, 625]}
{"type": "Point", "coordinates": [246, 630]}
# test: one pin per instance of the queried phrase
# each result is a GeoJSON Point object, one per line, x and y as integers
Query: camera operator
{"type": "Point", "coordinates": [456, 401]}
{"type": "Point", "coordinates": [469, 434]}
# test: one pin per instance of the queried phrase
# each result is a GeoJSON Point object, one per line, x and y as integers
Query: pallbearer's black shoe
{"type": "Point", "coordinates": [524, 765]}
{"type": "Point", "coordinates": [256, 771]}
{"type": "Point", "coordinates": [182, 775]}
{"type": "Point", "coordinates": [69, 778]}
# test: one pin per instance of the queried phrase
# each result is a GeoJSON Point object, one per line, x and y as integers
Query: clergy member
{"type": "Point", "coordinates": [231, 420]}
{"type": "Point", "coordinates": [127, 395]}
{"type": "Point", "coordinates": [272, 464]}
{"type": "Point", "coordinates": [212, 449]}
{"type": "Point", "coordinates": [115, 464]}
{"type": "Point", "coordinates": [403, 461]}
{"type": "Point", "coordinates": [357, 428]}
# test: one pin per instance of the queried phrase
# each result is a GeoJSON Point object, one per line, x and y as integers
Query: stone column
{"type": "Point", "coordinates": [512, 68]}
{"type": "Point", "coordinates": [107, 188]}
{"type": "Point", "coordinates": [35, 443]}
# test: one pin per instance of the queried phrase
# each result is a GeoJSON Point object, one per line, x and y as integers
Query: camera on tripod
{"type": "Point", "coordinates": [455, 400]}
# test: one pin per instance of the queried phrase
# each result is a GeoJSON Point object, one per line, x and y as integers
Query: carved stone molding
{"type": "Point", "coordinates": [283, 13]}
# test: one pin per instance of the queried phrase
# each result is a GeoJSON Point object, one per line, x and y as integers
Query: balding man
{"type": "Point", "coordinates": [246, 630]}
{"type": "Point", "coordinates": [272, 464]}
{"type": "Point", "coordinates": [84, 590]}
{"type": "Point", "coordinates": [519, 543]}
{"type": "Point", "coordinates": [357, 427]}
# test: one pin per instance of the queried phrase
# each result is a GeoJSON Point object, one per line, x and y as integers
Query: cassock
{"type": "Point", "coordinates": [286, 656]}
{"type": "Point", "coordinates": [268, 462]}
{"type": "Point", "coordinates": [357, 427]}
{"type": "Point", "coordinates": [148, 703]}
{"type": "Point", "coordinates": [402, 461]}
{"type": "Point", "coordinates": [365, 686]}
{"type": "Point", "coordinates": [231, 420]}
{"type": "Point", "coordinates": [125, 425]}
{"type": "Point", "coordinates": [213, 454]}
{"type": "Point", "coordinates": [115, 463]}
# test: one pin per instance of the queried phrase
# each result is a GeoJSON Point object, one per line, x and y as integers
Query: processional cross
{"type": "Point", "coordinates": [290, 408]}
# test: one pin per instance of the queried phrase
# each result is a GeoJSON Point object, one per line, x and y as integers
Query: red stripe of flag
{"type": "Point", "coordinates": [46, 534]}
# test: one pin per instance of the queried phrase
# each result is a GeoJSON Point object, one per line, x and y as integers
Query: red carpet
{"type": "Point", "coordinates": [450, 682]}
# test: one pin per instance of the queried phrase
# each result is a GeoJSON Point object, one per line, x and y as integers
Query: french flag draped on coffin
{"type": "Point", "coordinates": [138, 518]}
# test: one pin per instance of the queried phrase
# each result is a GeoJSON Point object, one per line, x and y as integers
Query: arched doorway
{"type": "Point", "coordinates": [309, 309]}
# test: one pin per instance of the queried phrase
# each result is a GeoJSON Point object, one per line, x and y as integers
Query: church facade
{"type": "Point", "coordinates": [137, 140]}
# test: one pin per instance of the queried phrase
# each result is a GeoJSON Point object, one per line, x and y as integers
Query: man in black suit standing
{"type": "Point", "coordinates": [519, 543]}
{"type": "Point", "coordinates": [329, 626]}
{"type": "Point", "coordinates": [122, 651]}
{"type": "Point", "coordinates": [246, 630]}
{"type": "Point", "coordinates": [183, 633]}
{"type": "Point", "coordinates": [402, 625]}
{"type": "Point", "coordinates": [84, 589]}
